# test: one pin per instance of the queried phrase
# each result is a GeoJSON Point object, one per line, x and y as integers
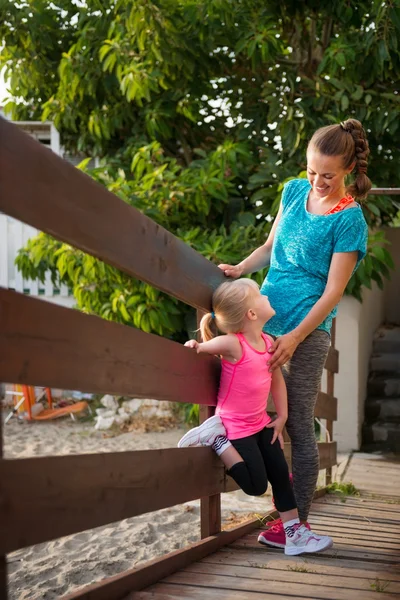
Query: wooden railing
{"type": "Point", "coordinates": [47, 345]}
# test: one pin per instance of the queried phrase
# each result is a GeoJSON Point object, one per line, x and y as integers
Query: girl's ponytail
{"type": "Point", "coordinates": [208, 327]}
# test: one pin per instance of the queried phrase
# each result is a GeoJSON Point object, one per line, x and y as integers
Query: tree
{"type": "Point", "coordinates": [200, 112]}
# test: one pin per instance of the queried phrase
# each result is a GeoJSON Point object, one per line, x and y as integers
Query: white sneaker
{"type": "Point", "coordinates": [300, 540]}
{"type": "Point", "coordinates": [204, 434]}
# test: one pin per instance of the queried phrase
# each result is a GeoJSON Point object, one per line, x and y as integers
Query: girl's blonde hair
{"type": "Point", "coordinates": [230, 304]}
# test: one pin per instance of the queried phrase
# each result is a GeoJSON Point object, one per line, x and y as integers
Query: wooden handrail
{"type": "Point", "coordinates": [53, 346]}
{"type": "Point", "coordinates": [384, 191]}
{"type": "Point", "coordinates": [68, 494]}
{"type": "Point", "coordinates": [57, 198]}
{"type": "Point", "coordinates": [49, 345]}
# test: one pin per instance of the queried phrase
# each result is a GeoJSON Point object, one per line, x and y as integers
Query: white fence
{"type": "Point", "coordinates": [13, 236]}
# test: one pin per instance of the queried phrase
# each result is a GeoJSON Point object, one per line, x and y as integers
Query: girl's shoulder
{"type": "Point", "coordinates": [269, 340]}
{"type": "Point", "coordinates": [233, 347]}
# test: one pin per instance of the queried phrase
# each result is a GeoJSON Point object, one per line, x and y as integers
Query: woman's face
{"type": "Point", "coordinates": [326, 173]}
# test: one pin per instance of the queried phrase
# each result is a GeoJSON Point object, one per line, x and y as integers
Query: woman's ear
{"type": "Point", "coordinates": [352, 167]}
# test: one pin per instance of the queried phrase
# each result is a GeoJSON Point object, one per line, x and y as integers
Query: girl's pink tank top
{"type": "Point", "coordinates": [244, 390]}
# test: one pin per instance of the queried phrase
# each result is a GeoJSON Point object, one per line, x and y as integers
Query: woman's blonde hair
{"type": "Point", "coordinates": [230, 303]}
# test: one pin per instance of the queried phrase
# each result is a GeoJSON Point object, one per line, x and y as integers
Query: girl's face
{"type": "Point", "coordinates": [262, 308]}
{"type": "Point", "coordinates": [326, 174]}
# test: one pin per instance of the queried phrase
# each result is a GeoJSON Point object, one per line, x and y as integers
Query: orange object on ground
{"type": "Point", "coordinates": [54, 413]}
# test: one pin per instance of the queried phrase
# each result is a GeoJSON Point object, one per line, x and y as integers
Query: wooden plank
{"type": "Point", "coordinates": [303, 590]}
{"type": "Point", "coordinates": [384, 191]}
{"type": "Point", "coordinates": [343, 511]}
{"type": "Point", "coordinates": [3, 250]}
{"type": "Point", "coordinates": [390, 510]}
{"type": "Point", "coordinates": [53, 196]}
{"type": "Point", "coordinates": [332, 361]}
{"type": "Point", "coordinates": [68, 494]}
{"type": "Point", "coordinates": [3, 558]}
{"type": "Point", "coordinates": [137, 579]}
{"type": "Point", "coordinates": [210, 506]}
{"type": "Point", "coordinates": [352, 528]}
{"type": "Point", "coordinates": [290, 576]}
{"type": "Point", "coordinates": [325, 408]}
{"type": "Point", "coordinates": [330, 384]}
{"type": "Point", "coordinates": [318, 563]}
{"type": "Point", "coordinates": [338, 551]}
{"type": "Point", "coordinates": [52, 346]}
{"type": "Point", "coordinates": [167, 591]}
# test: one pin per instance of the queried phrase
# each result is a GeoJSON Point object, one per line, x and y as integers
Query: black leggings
{"type": "Point", "coordinates": [263, 462]}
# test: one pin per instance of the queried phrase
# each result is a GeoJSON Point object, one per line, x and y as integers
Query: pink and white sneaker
{"type": "Point", "coordinates": [205, 434]}
{"type": "Point", "coordinates": [275, 535]}
{"type": "Point", "coordinates": [300, 540]}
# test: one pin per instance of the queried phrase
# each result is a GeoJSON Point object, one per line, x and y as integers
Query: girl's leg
{"type": "Point", "coordinates": [303, 377]}
{"type": "Point", "coordinates": [294, 537]}
{"type": "Point", "coordinates": [278, 475]}
{"type": "Point", "coordinates": [249, 473]}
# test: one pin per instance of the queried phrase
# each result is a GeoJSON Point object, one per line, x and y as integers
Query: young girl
{"type": "Point", "coordinates": [241, 432]}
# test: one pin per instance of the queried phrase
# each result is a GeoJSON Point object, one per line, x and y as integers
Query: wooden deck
{"type": "Point", "coordinates": [362, 565]}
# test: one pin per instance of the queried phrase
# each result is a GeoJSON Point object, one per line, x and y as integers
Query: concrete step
{"type": "Point", "coordinates": [387, 341]}
{"type": "Point", "coordinates": [384, 386]}
{"type": "Point", "coordinates": [386, 363]}
{"type": "Point", "coordinates": [382, 436]}
{"type": "Point", "coordinates": [382, 409]}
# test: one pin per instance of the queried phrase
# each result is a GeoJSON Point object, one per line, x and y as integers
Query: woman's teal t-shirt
{"type": "Point", "coordinates": [301, 256]}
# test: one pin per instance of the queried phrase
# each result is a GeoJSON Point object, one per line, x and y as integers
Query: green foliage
{"type": "Point", "coordinates": [199, 112]}
{"type": "Point", "coordinates": [342, 489]}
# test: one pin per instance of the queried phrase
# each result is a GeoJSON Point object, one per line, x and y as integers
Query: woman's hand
{"type": "Point", "coordinates": [232, 271]}
{"type": "Point", "coordinates": [283, 350]}
{"type": "Point", "coordinates": [278, 426]}
{"type": "Point", "coordinates": [193, 344]}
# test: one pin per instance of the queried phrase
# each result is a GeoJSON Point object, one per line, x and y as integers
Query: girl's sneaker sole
{"type": "Point", "coordinates": [192, 437]}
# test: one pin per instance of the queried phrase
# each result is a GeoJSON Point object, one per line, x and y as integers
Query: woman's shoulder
{"type": "Point", "coordinates": [294, 188]}
{"type": "Point", "coordinates": [353, 215]}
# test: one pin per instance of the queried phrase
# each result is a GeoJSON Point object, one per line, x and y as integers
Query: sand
{"type": "Point", "coordinates": [50, 570]}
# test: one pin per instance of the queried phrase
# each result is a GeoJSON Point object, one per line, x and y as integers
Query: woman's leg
{"type": "Point", "coordinates": [303, 377]}
{"type": "Point", "coordinates": [249, 473]}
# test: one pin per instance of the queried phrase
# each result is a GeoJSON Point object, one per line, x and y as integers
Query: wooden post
{"type": "Point", "coordinates": [330, 390]}
{"type": "Point", "coordinates": [3, 560]}
{"type": "Point", "coordinates": [210, 507]}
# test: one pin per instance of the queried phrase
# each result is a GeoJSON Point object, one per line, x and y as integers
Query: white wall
{"type": "Point", "coordinates": [392, 287]}
{"type": "Point", "coordinates": [356, 325]}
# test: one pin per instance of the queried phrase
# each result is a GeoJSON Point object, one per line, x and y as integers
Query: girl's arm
{"type": "Point", "coordinates": [341, 269]}
{"type": "Point", "coordinates": [279, 396]}
{"type": "Point", "coordinates": [227, 346]}
{"type": "Point", "coordinates": [258, 259]}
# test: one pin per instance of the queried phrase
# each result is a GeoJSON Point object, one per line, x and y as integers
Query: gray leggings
{"type": "Point", "coordinates": [303, 377]}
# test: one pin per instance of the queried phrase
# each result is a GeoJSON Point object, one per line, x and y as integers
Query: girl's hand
{"type": "Point", "coordinates": [283, 349]}
{"type": "Point", "coordinates": [193, 344]}
{"type": "Point", "coordinates": [278, 426]}
{"type": "Point", "coordinates": [232, 271]}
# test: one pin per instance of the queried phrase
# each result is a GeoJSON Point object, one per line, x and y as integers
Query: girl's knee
{"type": "Point", "coordinates": [257, 489]}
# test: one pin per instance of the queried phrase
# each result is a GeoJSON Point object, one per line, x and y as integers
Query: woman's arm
{"type": "Point", "coordinates": [258, 259]}
{"type": "Point", "coordinates": [341, 269]}
{"type": "Point", "coordinates": [227, 346]}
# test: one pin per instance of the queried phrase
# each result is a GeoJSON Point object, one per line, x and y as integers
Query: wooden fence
{"type": "Point", "coordinates": [48, 345]}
